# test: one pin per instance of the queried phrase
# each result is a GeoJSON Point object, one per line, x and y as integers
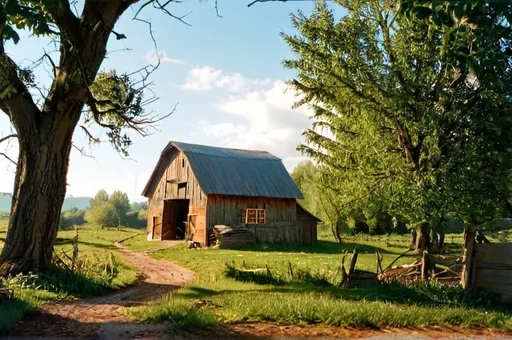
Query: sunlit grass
{"type": "Point", "coordinates": [95, 247]}
{"type": "Point", "coordinates": [232, 301]}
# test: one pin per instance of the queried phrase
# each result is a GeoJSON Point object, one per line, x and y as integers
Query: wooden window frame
{"type": "Point", "coordinates": [260, 216]}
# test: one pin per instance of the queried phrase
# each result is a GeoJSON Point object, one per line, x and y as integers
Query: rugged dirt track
{"type": "Point", "coordinates": [100, 317]}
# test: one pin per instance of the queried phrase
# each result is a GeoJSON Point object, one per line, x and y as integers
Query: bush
{"type": "Point", "coordinates": [136, 219]}
{"type": "Point", "coordinates": [103, 215]}
{"type": "Point", "coordinates": [72, 217]}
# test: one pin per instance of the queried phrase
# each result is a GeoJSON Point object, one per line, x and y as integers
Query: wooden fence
{"type": "Point", "coordinates": [488, 266]}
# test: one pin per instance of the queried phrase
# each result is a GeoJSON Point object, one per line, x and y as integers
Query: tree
{"type": "Point", "coordinates": [394, 125]}
{"type": "Point", "coordinates": [121, 203]}
{"type": "Point", "coordinates": [476, 35]}
{"type": "Point", "coordinates": [44, 131]}
{"type": "Point", "coordinates": [100, 198]}
{"type": "Point", "coordinates": [103, 215]}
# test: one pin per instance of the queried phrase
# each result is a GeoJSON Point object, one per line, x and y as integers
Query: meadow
{"type": "Point", "coordinates": [303, 288]}
{"type": "Point", "coordinates": [297, 285]}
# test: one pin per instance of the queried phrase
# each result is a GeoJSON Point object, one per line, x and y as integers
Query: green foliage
{"type": "Point", "coordinates": [72, 217]}
{"type": "Point", "coordinates": [476, 35]}
{"type": "Point", "coordinates": [406, 136]}
{"type": "Point", "coordinates": [136, 219]}
{"type": "Point", "coordinates": [100, 198]}
{"type": "Point", "coordinates": [121, 203]}
{"type": "Point", "coordinates": [103, 215]}
{"type": "Point", "coordinates": [117, 97]}
{"type": "Point", "coordinates": [26, 15]}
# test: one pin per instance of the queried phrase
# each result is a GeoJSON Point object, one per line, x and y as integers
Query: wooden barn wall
{"type": "Point", "coordinates": [281, 216]}
{"type": "Point", "coordinates": [169, 183]}
{"type": "Point", "coordinates": [491, 269]}
{"type": "Point", "coordinates": [308, 226]}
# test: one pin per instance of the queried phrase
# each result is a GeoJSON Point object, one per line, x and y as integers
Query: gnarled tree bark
{"type": "Point", "coordinates": [45, 135]}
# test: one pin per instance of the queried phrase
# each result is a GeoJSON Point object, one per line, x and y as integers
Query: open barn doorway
{"type": "Point", "coordinates": [174, 224]}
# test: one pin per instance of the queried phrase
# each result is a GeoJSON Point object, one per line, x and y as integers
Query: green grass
{"type": "Point", "coordinates": [311, 301]}
{"type": "Point", "coordinates": [96, 252]}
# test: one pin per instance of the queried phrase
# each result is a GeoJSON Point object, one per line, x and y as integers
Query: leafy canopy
{"type": "Point", "coordinates": [395, 128]}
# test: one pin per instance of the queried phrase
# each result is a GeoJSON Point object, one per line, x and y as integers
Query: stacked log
{"type": "Point", "coordinates": [230, 238]}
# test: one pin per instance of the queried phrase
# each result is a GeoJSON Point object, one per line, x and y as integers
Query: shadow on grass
{"type": "Point", "coordinates": [10, 312]}
{"type": "Point", "coordinates": [322, 247]}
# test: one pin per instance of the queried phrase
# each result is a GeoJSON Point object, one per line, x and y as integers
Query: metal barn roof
{"type": "Point", "coordinates": [236, 172]}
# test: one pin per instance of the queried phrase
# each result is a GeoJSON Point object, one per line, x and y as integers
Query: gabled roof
{"type": "Point", "coordinates": [224, 171]}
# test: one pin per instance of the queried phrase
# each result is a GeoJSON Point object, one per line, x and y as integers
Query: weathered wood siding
{"type": "Point", "coordinates": [492, 269]}
{"type": "Point", "coordinates": [280, 216]}
{"type": "Point", "coordinates": [174, 180]}
{"type": "Point", "coordinates": [307, 225]}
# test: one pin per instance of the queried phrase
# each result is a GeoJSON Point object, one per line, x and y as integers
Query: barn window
{"type": "Point", "coordinates": [255, 216]}
{"type": "Point", "coordinates": [183, 163]}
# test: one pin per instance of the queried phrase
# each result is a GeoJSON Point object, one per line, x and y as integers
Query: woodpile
{"type": "Point", "coordinates": [227, 238]}
{"type": "Point", "coordinates": [443, 269]}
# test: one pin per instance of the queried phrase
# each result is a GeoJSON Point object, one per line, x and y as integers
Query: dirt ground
{"type": "Point", "coordinates": [101, 318]}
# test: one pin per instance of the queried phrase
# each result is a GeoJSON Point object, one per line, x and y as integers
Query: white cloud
{"type": "Point", "coordinates": [153, 56]}
{"type": "Point", "coordinates": [268, 123]}
{"type": "Point", "coordinates": [205, 78]}
{"type": "Point", "coordinates": [202, 78]}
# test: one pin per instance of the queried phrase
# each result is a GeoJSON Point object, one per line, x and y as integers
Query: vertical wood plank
{"type": "Point", "coordinates": [467, 268]}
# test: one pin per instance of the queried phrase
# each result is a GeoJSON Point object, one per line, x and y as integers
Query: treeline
{"type": "Point", "coordinates": [358, 217]}
{"type": "Point", "coordinates": [107, 211]}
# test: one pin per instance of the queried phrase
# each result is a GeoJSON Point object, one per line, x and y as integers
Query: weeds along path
{"type": "Point", "coordinates": [101, 317]}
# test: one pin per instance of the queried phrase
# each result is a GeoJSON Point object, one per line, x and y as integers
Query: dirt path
{"type": "Point", "coordinates": [100, 317]}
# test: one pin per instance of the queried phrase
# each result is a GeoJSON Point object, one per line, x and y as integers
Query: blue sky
{"type": "Point", "coordinates": [224, 73]}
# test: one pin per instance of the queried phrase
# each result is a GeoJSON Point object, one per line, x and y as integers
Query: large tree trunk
{"type": "Point", "coordinates": [39, 191]}
{"type": "Point", "coordinates": [45, 134]}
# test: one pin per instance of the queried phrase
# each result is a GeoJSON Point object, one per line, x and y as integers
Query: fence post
{"type": "Point", "coordinates": [467, 269]}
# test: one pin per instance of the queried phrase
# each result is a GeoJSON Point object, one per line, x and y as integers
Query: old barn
{"type": "Point", "coordinates": [195, 187]}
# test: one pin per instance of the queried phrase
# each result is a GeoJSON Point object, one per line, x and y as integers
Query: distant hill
{"type": "Point", "coordinates": [69, 202]}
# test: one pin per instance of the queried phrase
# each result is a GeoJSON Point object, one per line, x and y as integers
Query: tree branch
{"type": "Point", "coordinates": [8, 158]}
{"type": "Point", "coordinates": [65, 19]}
{"type": "Point", "coordinates": [3, 139]}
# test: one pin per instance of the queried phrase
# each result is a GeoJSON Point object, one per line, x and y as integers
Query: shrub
{"type": "Point", "coordinates": [136, 219]}
{"type": "Point", "coordinates": [103, 215]}
{"type": "Point", "coordinates": [72, 217]}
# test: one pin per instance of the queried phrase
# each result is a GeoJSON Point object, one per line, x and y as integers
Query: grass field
{"type": "Point", "coordinates": [303, 288]}
{"type": "Point", "coordinates": [95, 249]}
{"type": "Point", "coordinates": [313, 296]}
